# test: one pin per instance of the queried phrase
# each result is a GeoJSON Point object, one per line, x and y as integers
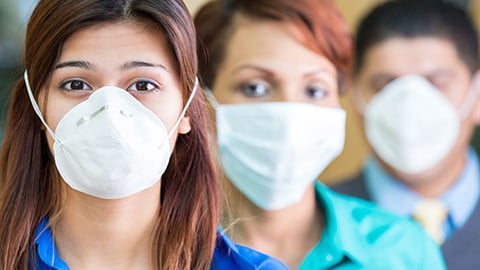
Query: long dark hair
{"type": "Point", "coordinates": [29, 184]}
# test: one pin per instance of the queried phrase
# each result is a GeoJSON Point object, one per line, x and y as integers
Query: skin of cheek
{"type": "Point", "coordinates": [52, 110]}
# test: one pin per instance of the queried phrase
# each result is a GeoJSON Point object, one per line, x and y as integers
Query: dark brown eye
{"type": "Point", "coordinates": [75, 85]}
{"type": "Point", "coordinates": [142, 86]}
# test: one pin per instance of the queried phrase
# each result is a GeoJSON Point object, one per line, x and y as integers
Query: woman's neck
{"type": "Point", "coordinates": [93, 233]}
{"type": "Point", "coordinates": [287, 234]}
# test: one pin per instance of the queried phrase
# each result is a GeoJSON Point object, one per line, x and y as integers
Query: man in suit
{"type": "Point", "coordinates": [417, 88]}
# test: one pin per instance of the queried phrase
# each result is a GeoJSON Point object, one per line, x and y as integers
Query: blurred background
{"type": "Point", "coordinates": [14, 16]}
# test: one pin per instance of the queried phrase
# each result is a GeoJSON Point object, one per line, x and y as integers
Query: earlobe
{"type": "Point", "coordinates": [184, 127]}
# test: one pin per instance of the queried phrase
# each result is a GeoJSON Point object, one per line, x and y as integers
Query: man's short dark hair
{"type": "Point", "coordinates": [424, 18]}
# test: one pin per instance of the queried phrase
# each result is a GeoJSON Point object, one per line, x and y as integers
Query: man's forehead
{"type": "Point", "coordinates": [421, 55]}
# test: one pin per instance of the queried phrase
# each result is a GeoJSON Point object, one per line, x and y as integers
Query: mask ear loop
{"type": "Point", "coordinates": [471, 99]}
{"type": "Point", "coordinates": [182, 114]}
{"type": "Point", "coordinates": [36, 108]}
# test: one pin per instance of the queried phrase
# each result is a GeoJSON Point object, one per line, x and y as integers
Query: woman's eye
{"type": "Point", "coordinates": [441, 83]}
{"type": "Point", "coordinates": [74, 85]}
{"type": "Point", "coordinates": [254, 89]}
{"type": "Point", "coordinates": [315, 92]}
{"type": "Point", "coordinates": [142, 86]}
{"type": "Point", "coordinates": [378, 85]}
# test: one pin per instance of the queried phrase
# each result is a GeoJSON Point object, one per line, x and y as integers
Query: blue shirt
{"type": "Point", "coordinates": [360, 235]}
{"type": "Point", "coordinates": [227, 254]}
{"type": "Point", "coordinates": [460, 199]}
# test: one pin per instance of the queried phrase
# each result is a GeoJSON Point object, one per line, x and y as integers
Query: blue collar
{"type": "Point", "coordinates": [460, 199]}
{"type": "Point", "coordinates": [227, 254]}
{"type": "Point", "coordinates": [47, 255]}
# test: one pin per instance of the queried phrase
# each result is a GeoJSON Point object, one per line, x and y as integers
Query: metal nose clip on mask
{"type": "Point", "coordinates": [110, 146]}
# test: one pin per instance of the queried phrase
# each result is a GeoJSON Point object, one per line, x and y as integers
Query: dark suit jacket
{"type": "Point", "coordinates": [461, 251]}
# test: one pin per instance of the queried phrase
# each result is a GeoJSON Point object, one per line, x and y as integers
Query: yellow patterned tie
{"type": "Point", "coordinates": [431, 214]}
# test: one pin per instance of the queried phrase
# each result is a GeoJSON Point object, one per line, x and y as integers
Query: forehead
{"type": "Point", "coordinates": [399, 56]}
{"type": "Point", "coordinates": [112, 43]}
{"type": "Point", "coordinates": [269, 41]}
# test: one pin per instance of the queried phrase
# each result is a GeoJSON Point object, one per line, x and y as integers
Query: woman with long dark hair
{"type": "Point", "coordinates": [105, 162]}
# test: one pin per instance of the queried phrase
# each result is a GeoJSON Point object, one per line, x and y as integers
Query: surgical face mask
{"type": "Point", "coordinates": [110, 146]}
{"type": "Point", "coordinates": [272, 152]}
{"type": "Point", "coordinates": [411, 125]}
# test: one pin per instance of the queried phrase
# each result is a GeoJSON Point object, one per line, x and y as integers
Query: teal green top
{"type": "Point", "coordinates": [360, 235]}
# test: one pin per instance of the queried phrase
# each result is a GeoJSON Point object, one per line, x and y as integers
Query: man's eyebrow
{"type": "Point", "coordinates": [134, 64]}
{"type": "Point", "coordinates": [78, 64]}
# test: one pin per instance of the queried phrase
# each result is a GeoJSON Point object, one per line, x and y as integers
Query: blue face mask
{"type": "Point", "coordinates": [272, 152]}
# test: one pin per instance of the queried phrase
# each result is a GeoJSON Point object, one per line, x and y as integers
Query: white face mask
{"type": "Point", "coordinates": [411, 125]}
{"type": "Point", "coordinates": [110, 146]}
{"type": "Point", "coordinates": [272, 152]}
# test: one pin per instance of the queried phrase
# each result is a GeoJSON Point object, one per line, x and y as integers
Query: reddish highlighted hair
{"type": "Point", "coordinates": [323, 27]}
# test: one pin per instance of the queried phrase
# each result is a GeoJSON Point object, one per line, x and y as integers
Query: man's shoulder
{"type": "Point", "coordinates": [460, 250]}
{"type": "Point", "coordinates": [353, 186]}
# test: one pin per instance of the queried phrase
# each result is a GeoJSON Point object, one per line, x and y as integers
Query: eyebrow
{"type": "Point", "coordinates": [267, 71]}
{"type": "Point", "coordinates": [79, 64]}
{"type": "Point", "coordinates": [383, 77]}
{"type": "Point", "coordinates": [318, 71]}
{"type": "Point", "coordinates": [135, 64]}
{"type": "Point", "coordinates": [250, 66]}
{"type": "Point", "coordinates": [126, 66]}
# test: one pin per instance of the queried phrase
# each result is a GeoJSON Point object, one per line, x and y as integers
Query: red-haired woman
{"type": "Point", "coordinates": [277, 69]}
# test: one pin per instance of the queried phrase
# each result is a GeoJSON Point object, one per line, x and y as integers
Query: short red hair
{"type": "Point", "coordinates": [321, 23]}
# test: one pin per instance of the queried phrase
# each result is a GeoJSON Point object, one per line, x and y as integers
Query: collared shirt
{"type": "Point", "coordinates": [227, 254]}
{"type": "Point", "coordinates": [460, 199]}
{"type": "Point", "coordinates": [359, 235]}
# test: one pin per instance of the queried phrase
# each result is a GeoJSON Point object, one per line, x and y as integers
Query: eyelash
{"type": "Point", "coordinates": [155, 88]}
{"type": "Point", "coordinates": [246, 89]}
{"type": "Point", "coordinates": [67, 86]}
{"type": "Point", "coordinates": [64, 85]}
{"type": "Point", "coordinates": [309, 91]}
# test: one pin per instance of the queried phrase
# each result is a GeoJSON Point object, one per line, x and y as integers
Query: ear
{"type": "Point", "coordinates": [184, 127]}
{"type": "Point", "coordinates": [476, 88]}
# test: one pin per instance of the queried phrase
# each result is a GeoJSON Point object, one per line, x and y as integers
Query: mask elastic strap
{"type": "Point", "coordinates": [192, 95]}
{"type": "Point", "coordinates": [470, 100]}
{"type": "Point", "coordinates": [36, 108]}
